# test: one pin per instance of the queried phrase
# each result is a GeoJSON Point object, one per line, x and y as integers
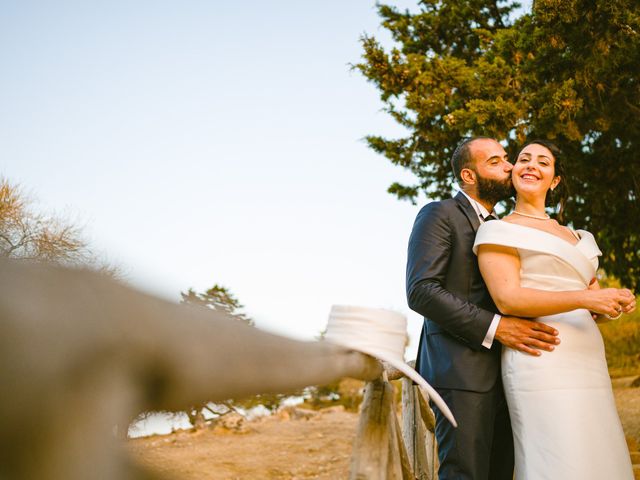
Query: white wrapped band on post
{"type": "Point", "coordinates": [382, 334]}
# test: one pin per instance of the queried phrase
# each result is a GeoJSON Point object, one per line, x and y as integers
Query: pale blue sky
{"type": "Point", "coordinates": [206, 142]}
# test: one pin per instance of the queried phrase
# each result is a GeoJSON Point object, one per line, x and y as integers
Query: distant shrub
{"type": "Point", "coordinates": [346, 392]}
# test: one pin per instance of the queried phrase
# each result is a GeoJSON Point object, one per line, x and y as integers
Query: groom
{"type": "Point", "coordinates": [460, 343]}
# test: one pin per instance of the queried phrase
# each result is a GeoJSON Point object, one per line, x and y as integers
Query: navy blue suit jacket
{"type": "Point", "coordinates": [445, 286]}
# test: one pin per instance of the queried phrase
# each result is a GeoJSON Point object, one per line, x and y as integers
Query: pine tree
{"type": "Point", "coordinates": [567, 71]}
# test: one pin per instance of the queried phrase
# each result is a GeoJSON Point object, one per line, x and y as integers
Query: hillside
{"type": "Point", "coordinates": [290, 446]}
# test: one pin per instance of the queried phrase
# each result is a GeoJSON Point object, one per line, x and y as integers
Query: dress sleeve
{"type": "Point", "coordinates": [497, 232]}
{"type": "Point", "coordinates": [582, 257]}
{"type": "Point", "coordinates": [589, 247]}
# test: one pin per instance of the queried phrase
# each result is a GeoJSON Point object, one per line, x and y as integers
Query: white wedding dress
{"type": "Point", "coordinates": [563, 414]}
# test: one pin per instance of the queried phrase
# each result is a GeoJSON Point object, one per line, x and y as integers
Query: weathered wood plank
{"type": "Point", "coordinates": [431, 446]}
{"type": "Point", "coordinates": [409, 415]}
{"type": "Point", "coordinates": [425, 410]}
{"type": "Point", "coordinates": [370, 456]}
{"type": "Point", "coordinates": [407, 470]}
{"type": "Point", "coordinates": [418, 440]}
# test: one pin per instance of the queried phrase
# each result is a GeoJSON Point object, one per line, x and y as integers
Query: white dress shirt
{"type": "Point", "coordinates": [482, 214]}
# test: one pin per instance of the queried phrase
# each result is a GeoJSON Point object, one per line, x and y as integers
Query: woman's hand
{"type": "Point", "coordinates": [610, 301]}
{"type": "Point", "coordinates": [631, 305]}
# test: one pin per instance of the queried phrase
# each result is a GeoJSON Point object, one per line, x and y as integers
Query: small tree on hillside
{"type": "Point", "coordinates": [25, 234]}
{"type": "Point", "coordinates": [219, 298]}
{"type": "Point", "coordinates": [28, 235]}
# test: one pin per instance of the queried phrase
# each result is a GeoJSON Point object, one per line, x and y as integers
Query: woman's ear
{"type": "Point", "coordinates": [555, 182]}
{"type": "Point", "coordinates": [468, 176]}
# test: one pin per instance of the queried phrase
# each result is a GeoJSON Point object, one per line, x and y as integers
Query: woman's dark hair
{"type": "Point", "coordinates": [559, 196]}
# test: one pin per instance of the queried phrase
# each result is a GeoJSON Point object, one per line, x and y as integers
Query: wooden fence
{"type": "Point", "coordinates": [80, 353]}
{"type": "Point", "coordinates": [384, 450]}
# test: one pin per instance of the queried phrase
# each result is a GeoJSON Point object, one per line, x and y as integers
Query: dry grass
{"type": "Point", "coordinates": [622, 343]}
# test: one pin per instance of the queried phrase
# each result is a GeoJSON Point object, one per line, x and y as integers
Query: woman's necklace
{"type": "Point", "coordinates": [538, 217]}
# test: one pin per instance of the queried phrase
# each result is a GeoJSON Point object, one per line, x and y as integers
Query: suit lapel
{"type": "Point", "coordinates": [468, 210]}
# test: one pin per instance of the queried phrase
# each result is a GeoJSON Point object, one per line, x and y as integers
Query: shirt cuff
{"type": "Point", "coordinates": [491, 333]}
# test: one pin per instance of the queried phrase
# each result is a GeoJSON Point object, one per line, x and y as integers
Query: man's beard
{"type": "Point", "coordinates": [494, 191]}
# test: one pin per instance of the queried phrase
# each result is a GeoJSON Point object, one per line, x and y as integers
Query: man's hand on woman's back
{"type": "Point", "coordinates": [527, 336]}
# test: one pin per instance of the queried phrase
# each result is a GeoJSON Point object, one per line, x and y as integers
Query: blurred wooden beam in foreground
{"type": "Point", "coordinates": [81, 353]}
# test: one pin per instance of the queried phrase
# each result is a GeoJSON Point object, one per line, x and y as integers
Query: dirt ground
{"type": "Point", "coordinates": [270, 448]}
{"type": "Point", "coordinates": [286, 447]}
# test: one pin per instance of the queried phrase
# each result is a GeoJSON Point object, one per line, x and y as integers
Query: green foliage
{"type": "Point", "coordinates": [568, 72]}
{"type": "Point", "coordinates": [217, 298]}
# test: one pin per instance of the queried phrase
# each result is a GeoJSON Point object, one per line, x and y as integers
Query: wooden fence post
{"type": "Point", "coordinates": [378, 451]}
{"type": "Point", "coordinates": [431, 446]}
{"type": "Point", "coordinates": [398, 447]}
{"type": "Point", "coordinates": [415, 432]}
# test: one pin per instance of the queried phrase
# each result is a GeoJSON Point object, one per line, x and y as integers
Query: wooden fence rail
{"type": "Point", "coordinates": [80, 353]}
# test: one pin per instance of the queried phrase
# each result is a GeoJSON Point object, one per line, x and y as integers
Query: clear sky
{"type": "Point", "coordinates": [204, 142]}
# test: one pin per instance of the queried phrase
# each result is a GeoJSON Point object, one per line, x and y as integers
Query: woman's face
{"type": "Point", "coordinates": [534, 171]}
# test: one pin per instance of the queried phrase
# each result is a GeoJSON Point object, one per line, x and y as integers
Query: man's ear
{"type": "Point", "coordinates": [468, 176]}
{"type": "Point", "coordinates": [555, 182]}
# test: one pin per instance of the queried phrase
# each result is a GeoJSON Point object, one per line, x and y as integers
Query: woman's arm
{"type": "Point", "coordinates": [500, 268]}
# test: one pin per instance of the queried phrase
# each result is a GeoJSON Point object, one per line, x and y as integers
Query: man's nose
{"type": "Point", "coordinates": [507, 166]}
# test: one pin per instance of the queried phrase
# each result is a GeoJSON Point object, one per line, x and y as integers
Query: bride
{"type": "Point", "coordinates": [561, 405]}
